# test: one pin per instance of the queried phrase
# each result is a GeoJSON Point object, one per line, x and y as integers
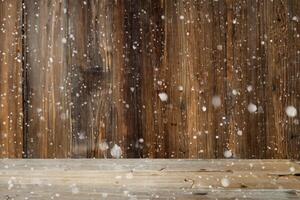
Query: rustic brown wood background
{"type": "Point", "coordinates": [76, 73]}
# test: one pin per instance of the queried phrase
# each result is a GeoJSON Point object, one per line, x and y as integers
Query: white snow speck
{"type": "Point", "coordinates": [252, 108]}
{"type": "Point", "coordinates": [51, 60]}
{"type": "Point", "coordinates": [216, 101]}
{"type": "Point", "coordinates": [72, 37]}
{"type": "Point", "coordinates": [74, 189]}
{"type": "Point", "coordinates": [118, 177]}
{"type": "Point", "coordinates": [227, 154]}
{"type": "Point", "coordinates": [116, 151]}
{"type": "Point", "coordinates": [163, 96]}
{"type": "Point", "coordinates": [10, 185]}
{"type": "Point", "coordinates": [63, 116]}
{"type": "Point", "coordinates": [249, 88]}
{"type": "Point", "coordinates": [225, 182]}
{"type": "Point", "coordinates": [204, 108]}
{"type": "Point", "coordinates": [180, 88]}
{"type": "Point", "coordinates": [81, 135]}
{"type": "Point", "coordinates": [240, 132]}
{"type": "Point", "coordinates": [291, 111]}
{"type": "Point", "coordinates": [220, 47]}
{"type": "Point", "coordinates": [104, 195]}
{"type": "Point", "coordinates": [234, 92]}
{"type": "Point", "coordinates": [141, 140]}
{"type": "Point", "coordinates": [64, 40]}
{"type": "Point", "coordinates": [292, 169]}
{"type": "Point", "coordinates": [295, 18]}
{"type": "Point", "coordinates": [181, 17]}
{"type": "Point", "coordinates": [103, 146]}
{"type": "Point", "coordinates": [129, 176]}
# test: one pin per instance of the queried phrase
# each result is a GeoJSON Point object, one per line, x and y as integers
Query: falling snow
{"type": "Point", "coordinates": [291, 111]}
{"type": "Point", "coordinates": [163, 96]}
{"type": "Point", "coordinates": [249, 88]}
{"type": "Point", "coordinates": [240, 132]}
{"type": "Point", "coordinates": [103, 146]}
{"type": "Point", "coordinates": [220, 47]}
{"type": "Point", "coordinates": [225, 182]}
{"type": "Point", "coordinates": [252, 108]}
{"type": "Point", "coordinates": [64, 40]}
{"type": "Point", "coordinates": [216, 101]}
{"type": "Point", "coordinates": [116, 151]}
{"type": "Point", "coordinates": [227, 154]}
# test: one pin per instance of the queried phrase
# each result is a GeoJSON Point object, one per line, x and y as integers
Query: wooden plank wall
{"type": "Point", "coordinates": [87, 73]}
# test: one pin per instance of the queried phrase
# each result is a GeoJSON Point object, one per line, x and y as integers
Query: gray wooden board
{"type": "Point", "coordinates": [149, 179]}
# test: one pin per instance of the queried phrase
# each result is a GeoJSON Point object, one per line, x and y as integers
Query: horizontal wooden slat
{"type": "Point", "coordinates": [149, 179]}
{"type": "Point", "coordinates": [150, 164]}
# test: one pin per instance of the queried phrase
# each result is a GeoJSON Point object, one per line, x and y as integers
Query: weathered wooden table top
{"type": "Point", "coordinates": [149, 179]}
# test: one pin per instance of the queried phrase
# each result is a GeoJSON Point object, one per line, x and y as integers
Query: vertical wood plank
{"type": "Point", "coordinates": [102, 110]}
{"type": "Point", "coordinates": [143, 47]}
{"type": "Point", "coordinates": [85, 64]}
{"type": "Point", "coordinates": [293, 79]}
{"type": "Point", "coordinates": [133, 24]}
{"type": "Point", "coordinates": [11, 98]}
{"type": "Point", "coordinates": [282, 83]}
{"type": "Point", "coordinates": [245, 79]}
{"type": "Point", "coordinates": [191, 75]}
{"type": "Point", "coordinates": [48, 103]}
{"type": "Point", "coordinates": [174, 120]}
{"type": "Point", "coordinates": [278, 68]}
{"type": "Point", "coordinates": [151, 108]}
{"type": "Point", "coordinates": [218, 64]}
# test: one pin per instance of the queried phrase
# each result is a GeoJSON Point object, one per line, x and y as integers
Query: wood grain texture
{"type": "Point", "coordinates": [11, 93]}
{"type": "Point", "coordinates": [47, 99]}
{"type": "Point", "coordinates": [245, 71]}
{"type": "Point", "coordinates": [94, 72]}
{"type": "Point", "coordinates": [149, 179]}
{"type": "Point", "coordinates": [283, 70]}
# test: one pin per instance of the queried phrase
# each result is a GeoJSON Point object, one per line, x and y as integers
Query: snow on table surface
{"type": "Point", "coordinates": [148, 179]}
